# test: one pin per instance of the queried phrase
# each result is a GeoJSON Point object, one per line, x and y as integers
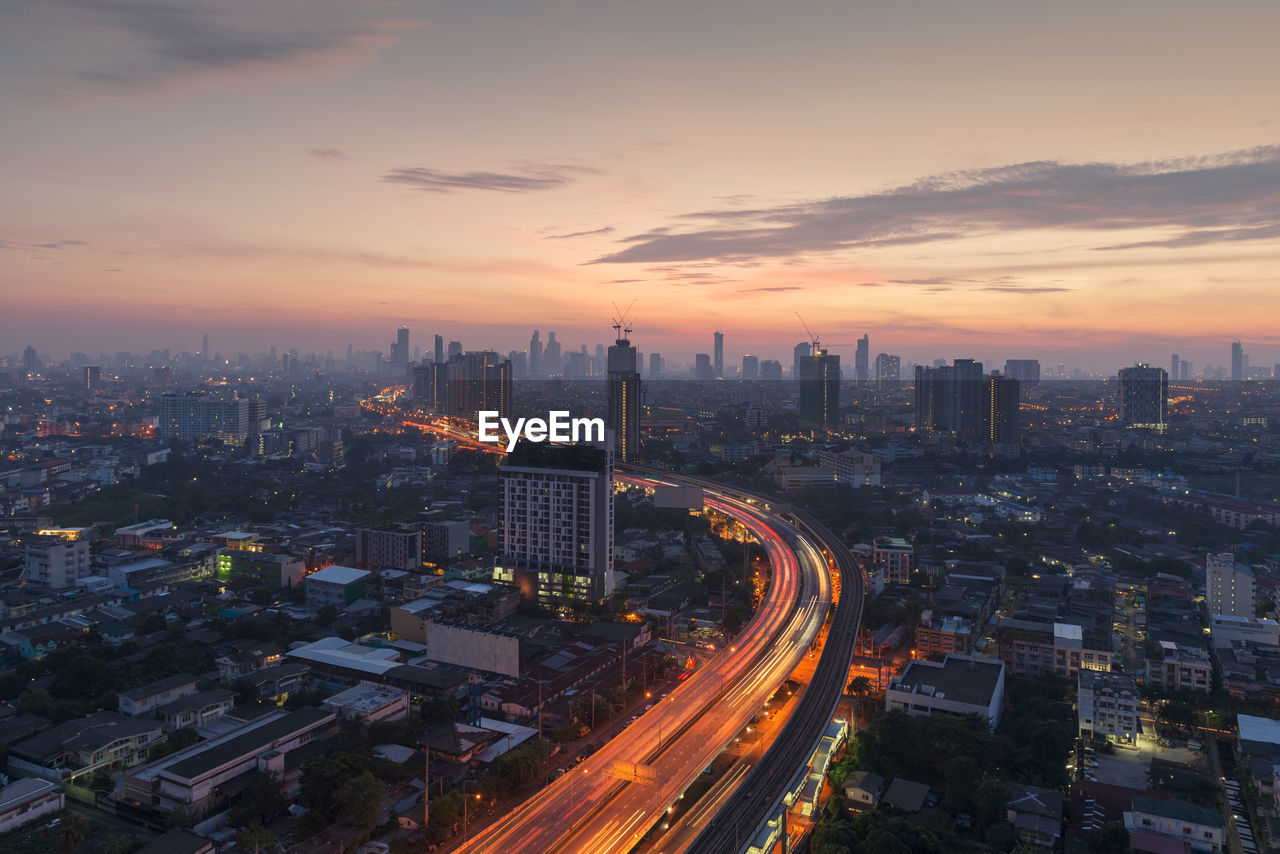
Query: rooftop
{"type": "Point", "coordinates": [339, 575]}
{"type": "Point", "coordinates": [959, 679]}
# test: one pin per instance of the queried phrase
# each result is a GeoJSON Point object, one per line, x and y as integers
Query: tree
{"type": "Point", "coordinates": [261, 802]}
{"type": "Point", "coordinates": [989, 802]}
{"type": "Point", "coordinates": [71, 833]}
{"type": "Point", "coordinates": [159, 750]}
{"type": "Point", "coordinates": [1111, 838]}
{"type": "Point", "coordinates": [121, 843]}
{"type": "Point", "coordinates": [961, 777]}
{"type": "Point", "coordinates": [255, 838]}
{"type": "Point", "coordinates": [326, 615]}
{"type": "Point", "coordinates": [360, 800]}
{"type": "Point", "coordinates": [1177, 714]}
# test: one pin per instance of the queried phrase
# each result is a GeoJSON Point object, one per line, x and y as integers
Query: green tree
{"type": "Point", "coordinates": [1111, 838]}
{"type": "Point", "coordinates": [961, 777]}
{"type": "Point", "coordinates": [255, 838]}
{"type": "Point", "coordinates": [360, 800]}
{"type": "Point", "coordinates": [121, 843]}
{"type": "Point", "coordinates": [71, 833]}
{"type": "Point", "coordinates": [261, 802]}
{"type": "Point", "coordinates": [989, 802]}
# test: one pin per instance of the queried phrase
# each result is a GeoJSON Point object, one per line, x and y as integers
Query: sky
{"type": "Point", "coordinates": [1096, 183]}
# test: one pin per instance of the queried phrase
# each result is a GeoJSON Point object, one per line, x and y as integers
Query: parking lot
{"type": "Point", "coordinates": [1128, 767]}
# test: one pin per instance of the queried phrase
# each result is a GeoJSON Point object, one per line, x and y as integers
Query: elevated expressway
{"type": "Point", "coordinates": [610, 801]}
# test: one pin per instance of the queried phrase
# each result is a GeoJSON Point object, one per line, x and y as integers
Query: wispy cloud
{"type": "Point", "coordinates": [53, 244]}
{"type": "Point", "coordinates": [608, 229]}
{"type": "Point", "coordinates": [328, 155]}
{"type": "Point", "coordinates": [1227, 197]}
{"type": "Point", "coordinates": [525, 179]}
{"type": "Point", "coordinates": [168, 40]}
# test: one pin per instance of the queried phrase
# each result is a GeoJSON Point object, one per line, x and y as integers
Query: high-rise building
{"type": "Point", "coordinates": [1025, 371]}
{"type": "Point", "coordinates": [750, 367]}
{"type": "Point", "coordinates": [719, 354]}
{"type": "Point", "coordinates": [1237, 361]}
{"type": "Point", "coordinates": [535, 355]}
{"type": "Point", "coordinates": [655, 365]}
{"type": "Point", "coordinates": [800, 351]}
{"type": "Point", "coordinates": [1184, 370]}
{"type": "Point", "coordinates": [623, 414]}
{"type": "Point", "coordinates": [455, 349]}
{"type": "Point", "coordinates": [1229, 587]}
{"type": "Point", "coordinates": [557, 522]}
{"type": "Point", "coordinates": [92, 378]}
{"type": "Point", "coordinates": [199, 416]}
{"type": "Point", "coordinates": [1144, 391]}
{"type": "Point", "coordinates": [888, 370]}
{"type": "Point", "coordinates": [770, 369]}
{"type": "Point", "coordinates": [31, 360]}
{"type": "Point", "coordinates": [1174, 363]}
{"type": "Point", "coordinates": [862, 361]}
{"type": "Point", "coordinates": [702, 369]}
{"type": "Point", "coordinates": [820, 390]}
{"type": "Point", "coordinates": [55, 561]}
{"type": "Point", "coordinates": [400, 352]}
{"type": "Point", "coordinates": [1001, 410]}
{"type": "Point", "coordinates": [552, 362]}
{"type": "Point", "coordinates": [438, 356]}
{"type": "Point", "coordinates": [476, 380]}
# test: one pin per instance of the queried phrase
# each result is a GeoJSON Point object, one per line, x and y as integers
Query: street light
{"type": "Point", "coordinates": [465, 799]}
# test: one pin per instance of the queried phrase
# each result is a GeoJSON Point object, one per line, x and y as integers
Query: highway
{"type": "Point", "coordinates": [591, 808]}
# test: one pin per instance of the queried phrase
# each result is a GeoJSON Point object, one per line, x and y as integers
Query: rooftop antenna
{"type": "Point", "coordinates": [621, 324]}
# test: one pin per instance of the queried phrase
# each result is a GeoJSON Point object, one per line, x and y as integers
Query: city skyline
{"type": "Point", "coordinates": [952, 182]}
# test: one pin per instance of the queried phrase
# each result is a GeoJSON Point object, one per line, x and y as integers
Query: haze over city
{"type": "Point", "coordinates": [1082, 183]}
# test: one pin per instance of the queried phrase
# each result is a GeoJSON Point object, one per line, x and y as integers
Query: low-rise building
{"type": "Point", "coordinates": [957, 686]}
{"type": "Point", "coordinates": [26, 800]}
{"type": "Point", "coordinates": [939, 636]}
{"type": "Point", "coordinates": [147, 698]}
{"type": "Point", "coordinates": [1107, 707]}
{"type": "Point", "coordinates": [1035, 813]}
{"type": "Point", "coordinates": [80, 747]}
{"type": "Point", "coordinates": [335, 585]}
{"type": "Point", "coordinates": [863, 788]}
{"type": "Point", "coordinates": [198, 709]}
{"type": "Point", "coordinates": [1174, 667]}
{"type": "Point", "coordinates": [369, 702]}
{"type": "Point", "coordinates": [895, 558]}
{"type": "Point", "coordinates": [1202, 829]}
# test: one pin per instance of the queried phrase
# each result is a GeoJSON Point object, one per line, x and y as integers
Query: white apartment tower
{"type": "Point", "coordinates": [557, 521]}
{"type": "Point", "coordinates": [1229, 587]}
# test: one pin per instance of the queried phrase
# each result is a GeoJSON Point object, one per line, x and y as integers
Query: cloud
{"type": "Point", "coordinates": [932, 280]}
{"type": "Point", "coordinates": [772, 290]}
{"type": "Point", "coordinates": [1227, 197]}
{"type": "Point", "coordinates": [329, 155]}
{"type": "Point", "coordinates": [526, 179]}
{"type": "Point", "coordinates": [171, 39]}
{"type": "Point", "coordinates": [1010, 289]}
{"type": "Point", "coordinates": [54, 244]}
{"type": "Point", "coordinates": [608, 229]}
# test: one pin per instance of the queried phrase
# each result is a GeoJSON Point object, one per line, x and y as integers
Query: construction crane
{"type": "Point", "coordinates": [621, 325]}
{"type": "Point", "coordinates": [814, 343]}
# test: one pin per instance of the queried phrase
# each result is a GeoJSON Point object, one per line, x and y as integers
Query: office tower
{"type": "Point", "coordinates": [770, 369]}
{"type": "Point", "coordinates": [577, 365]}
{"type": "Point", "coordinates": [204, 348]}
{"type": "Point", "coordinates": [30, 359]}
{"type": "Point", "coordinates": [92, 378]}
{"type": "Point", "coordinates": [702, 369]}
{"type": "Point", "coordinates": [421, 385]}
{"type": "Point", "coordinates": [719, 354]}
{"type": "Point", "coordinates": [1184, 370]}
{"type": "Point", "coordinates": [1173, 368]}
{"type": "Point", "coordinates": [438, 358]}
{"type": "Point", "coordinates": [949, 399]}
{"type": "Point", "coordinates": [400, 352]}
{"type": "Point", "coordinates": [519, 364]}
{"type": "Point", "coordinates": [750, 367]}
{"type": "Point", "coordinates": [1001, 410]}
{"type": "Point", "coordinates": [477, 380]}
{"type": "Point", "coordinates": [200, 416]}
{"type": "Point", "coordinates": [1025, 371]}
{"type": "Point", "coordinates": [655, 365]}
{"type": "Point", "coordinates": [535, 356]}
{"type": "Point", "coordinates": [801, 350]}
{"type": "Point", "coordinates": [862, 361]}
{"type": "Point", "coordinates": [552, 362]}
{"type": "Point", "coordinates": [820, 390]}
{"type": "Point", "coordinates": [623, 413]}
{"type": "Point", "coordinates": [888, 370]}
{"type": "Point", "coordinates": [1144, 391]}
{"type": "Point", "coordinates": [1229, 587]}
{"type": "Point", "coordinates": [599, 364]}
{"type": "Point", "coordinates": [438, 386]}
{"type": "Point", "coordinates": [1237, 361]}
{"type": "Point", "coordinates": [455, 349]}
{"type": "Point", "coordinates": [557, 522]}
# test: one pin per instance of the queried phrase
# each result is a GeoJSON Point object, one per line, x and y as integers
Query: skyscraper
{"type": "Point", "coordinates": [958, 399]}
{"type": "Point", "coordinates": [400, 353]}
{"type": "Point", "coordinates": [455, 349]}
{"type": "Point", "coordinates": [1174, 364]}
{"type": "Point", "coordinates": [535, 356]}
{"type": "Point", "coordinates": [30, 359]}
{"type": "Point", "coordinates": [888, 370]}
{"type": "Point", "coordinates": [623, 414]}
{"type": "Point", "coordinates": [655, 365]}
{"type": "Point", "coordinates": [438, 356]}
{"type": "Point", "coordinates": [862, 361]}
{"type": "Point", "coordinates": [199, 416]}
{"type": "Point", "coordinates": [1025, 371]}
{"type": "Point", "coordinates": [1144, 391]}
{"type": "Point", "coordinates": [92, 378]}
{"type": "Point", "coordinates": [1237, 361]}
{"type": "Point", "coordinates": [770, 369]}
{"type": "Point", "coordinates": [557, 522]}
{"type": "Point", "coordinates": [552, 362]}
{"type": "Point", "coordinates": [478, 380]}
{"type": "Point", "coordinates": [719, 354]}
{"type": "Point", "coordinates": [1001, 410]}
{"type": "Point", "coordinates": [820, 390]}
{"type": "Point", "coordinates": [702, 369]}
{"type": "Point", "coordinates": [803, 349]}
{"type": "Point", "coordinates": [750, 367]}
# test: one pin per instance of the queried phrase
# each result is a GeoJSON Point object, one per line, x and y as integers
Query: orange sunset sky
{"type": "Point", "coordinates": [1088, 182]}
